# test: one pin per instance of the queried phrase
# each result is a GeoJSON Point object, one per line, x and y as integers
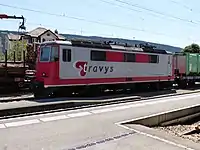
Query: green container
{"type": "Point", "coordinates": [192, 63]}
{"type": "Point", "coordinates": [198, 63]}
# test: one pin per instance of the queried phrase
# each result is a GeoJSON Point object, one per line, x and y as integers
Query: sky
{"type": "Point", "coordinates": [171, 22]}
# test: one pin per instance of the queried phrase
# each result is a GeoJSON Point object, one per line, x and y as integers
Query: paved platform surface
{"type": "Point", "coordinates": [14, 96]}
{"type": "Point", "coordinates": [96, 128]}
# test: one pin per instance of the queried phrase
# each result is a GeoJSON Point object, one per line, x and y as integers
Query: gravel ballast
{"type": "Point", "coordinates": [182, 130]}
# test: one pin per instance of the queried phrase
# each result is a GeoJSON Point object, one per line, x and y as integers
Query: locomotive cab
{"type": "Point", "coordinates": [47, 60]}
{"type": "Point", "coordinates": [46, 67]}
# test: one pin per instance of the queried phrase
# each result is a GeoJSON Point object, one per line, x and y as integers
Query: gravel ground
{"type": "Point", "coordinates": [180, 130]}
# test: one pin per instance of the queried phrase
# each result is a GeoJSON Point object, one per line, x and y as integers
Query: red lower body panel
{"type": "Point", "coordinates": [72, 82]}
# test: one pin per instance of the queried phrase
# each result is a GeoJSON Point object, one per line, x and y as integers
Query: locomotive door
{"type": "Point", "coordinates": [169, 66]}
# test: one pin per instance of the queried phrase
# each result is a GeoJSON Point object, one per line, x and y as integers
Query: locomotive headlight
{"type": "Point", "coordinates": [44, 74]}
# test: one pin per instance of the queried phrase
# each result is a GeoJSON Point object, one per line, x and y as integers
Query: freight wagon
{"type": "Point", "coordinates": [187, 68]}
{"type": "Point", "coordinates": [17, 74]}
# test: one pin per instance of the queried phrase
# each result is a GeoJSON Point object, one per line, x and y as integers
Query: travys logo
{"type": "Point", "coordinates": [82, 65]}
{"type": "Point", "coordinates": [85, 68]}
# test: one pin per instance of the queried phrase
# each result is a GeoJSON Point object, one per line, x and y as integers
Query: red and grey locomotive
{"type": "Point", "coordinates": [64, 66]}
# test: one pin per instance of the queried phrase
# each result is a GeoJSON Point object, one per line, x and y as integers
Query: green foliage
{"type": "Point", "coordinates": [16, 47]}
{"type": "Point", "coordinates": [193, 48]}
{"type": "Point", "coordinates": [2, 57]}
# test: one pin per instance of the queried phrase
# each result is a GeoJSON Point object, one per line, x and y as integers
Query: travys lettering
{"type": "Point", "coordinates": [85, 68]}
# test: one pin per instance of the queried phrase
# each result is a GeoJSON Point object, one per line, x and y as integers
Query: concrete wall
{"type": "Point", "coordinates": [171, 117]}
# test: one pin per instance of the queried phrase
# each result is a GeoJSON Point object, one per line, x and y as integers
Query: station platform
{"type": "Point", "coordinates": [97, 128]}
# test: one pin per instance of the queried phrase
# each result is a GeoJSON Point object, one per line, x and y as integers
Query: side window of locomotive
{"type": "Point", "coordinates": [45, 53]}
{"type": "Point", "coordinates": [54, 54]}
{"type": "Point", "coordinates": [128, 57]}
{"type": "Point", "coordinates": [154, 59]}
{"type": "Point", "coordinates": [66, 57]}
{"type": "Point", "coordinates": [98, 56]}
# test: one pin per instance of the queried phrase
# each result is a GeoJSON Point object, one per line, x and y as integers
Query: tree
{"type": "Point", "coordinates": [18, 47]}
{"type": "Point", "coordinates": [193, 48]}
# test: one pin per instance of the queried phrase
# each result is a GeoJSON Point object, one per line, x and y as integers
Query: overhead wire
{"type": "Point", "coordinates": [135, 10]}
{"type": "Point", "coordinates": [156, 12]}
{"type": "Point", "coordinates": [108, 2]}
{"type": "Point", "coordinates": [85, 20]}
{"type": "Point", "coordinates": [181, 4]}
{"type": "Point", "coordinates": [56, 27]}
{"type": "Point", "coordinates": [191, 10]}
{"type": "Point", "coordinates": [96, 22]}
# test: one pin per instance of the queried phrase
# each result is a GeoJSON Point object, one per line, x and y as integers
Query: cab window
{"type": "Point", "coordinates": [45, 53]}
{"type": "Point", "coordinates": [54, 53]}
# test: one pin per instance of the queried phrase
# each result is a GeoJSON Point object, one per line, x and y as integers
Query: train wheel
{"type": "Point", "coordinates": [90, 91]}
{"type": "Point", "coordinates": [182, 84]}
{"type": "Point", "coordinates": [20, 84]}
{"type": "Point", "coordinates": [130, 89]}
{"type": "Point", "coordinates": [140, 87]}
{"type": "Point", "coordinates": [155, 86]}
{"type": "Point", "coordinates": [38, 95]}
{"type": "Point", "coordinates": [44, 93]}
{"type": "Point", "coordinates": [191, 84]}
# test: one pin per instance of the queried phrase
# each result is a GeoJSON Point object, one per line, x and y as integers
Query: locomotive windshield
{"type": "Point", "coordinates": [45, 53]}
{"type": "Point", "coordinates": [49, 53]}
{"type": "Point", "coordinates": [54, 53]}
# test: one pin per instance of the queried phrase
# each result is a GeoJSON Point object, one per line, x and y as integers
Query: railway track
{"type": "Point", "coordinates": [7, 96]}
{"type": "Point", "coordinates": [27, 96]}
{"type": "Point", "coordinates": [76, 101]}
{"type": "Point", "coordinates": [80, 104]}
